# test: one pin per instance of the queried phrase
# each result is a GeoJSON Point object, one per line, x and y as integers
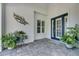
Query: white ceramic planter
{"type": "Point", "coordinates": [68, 45]}
{"type": "Point", "coordinates": [10, 48]}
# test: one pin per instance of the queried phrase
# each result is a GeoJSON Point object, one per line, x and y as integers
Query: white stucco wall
{"type": "Point", "coordinates": [27, 11]}
{"type": "Point", "coordinates": [0, 27]}
{"type": "Point", "coordinates": [58, 9]}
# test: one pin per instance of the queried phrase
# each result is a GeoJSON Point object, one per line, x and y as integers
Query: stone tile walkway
{"type": "Point", "coordinates": [43, 47]}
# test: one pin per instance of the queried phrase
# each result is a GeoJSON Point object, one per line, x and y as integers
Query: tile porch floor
{"type": "Point", "coordinates": [43, 47]}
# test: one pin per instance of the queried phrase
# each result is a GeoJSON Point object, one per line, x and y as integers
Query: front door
{"type": "Point", "coordinates": [58, 26]}
{"type": "Point", "coordinates": [39, 26]}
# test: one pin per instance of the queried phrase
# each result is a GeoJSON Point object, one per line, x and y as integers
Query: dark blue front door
{"type": "Point", "coordinates": [58, 26]}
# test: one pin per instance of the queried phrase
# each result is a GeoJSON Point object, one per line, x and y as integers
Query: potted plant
{"type": "Point", "coordinates": [71, 37]}
{"type": "Point", "coordinates": [68, 40]}
{"type": "Point", "coordinates": [9, 41]}
{"type": "Point", "coordinates": [20, 35]}
{"type": "Point", "coordinates": [74, 30]}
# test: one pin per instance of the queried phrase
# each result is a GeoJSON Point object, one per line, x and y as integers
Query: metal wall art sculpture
{"type": "Point", "coordinates": [20, 19]}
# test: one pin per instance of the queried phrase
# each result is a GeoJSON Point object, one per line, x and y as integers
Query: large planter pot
{"type": "Point", "coordinates": [10, 48]}
{"type": "Point", "coordinates": [69, 45]}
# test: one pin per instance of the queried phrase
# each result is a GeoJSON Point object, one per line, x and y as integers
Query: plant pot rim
{"type": "Point", "coordinates": [69, 45]}
{"type": "Point", "coordinates": [10, 48]}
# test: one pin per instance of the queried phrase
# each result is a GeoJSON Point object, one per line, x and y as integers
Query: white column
{"type": "Point", "coordinates": [0, 27]}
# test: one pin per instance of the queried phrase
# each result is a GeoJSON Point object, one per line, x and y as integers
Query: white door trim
{"type": "Point", "coordinates": [35, 35]}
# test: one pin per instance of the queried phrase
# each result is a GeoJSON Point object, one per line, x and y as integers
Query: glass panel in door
{"type": "Point", "coordinates": [38, 26]}
{"type": "Point", "coordinates": [43, 26]}
{"type": "Point", "coordinates": [58, 27]}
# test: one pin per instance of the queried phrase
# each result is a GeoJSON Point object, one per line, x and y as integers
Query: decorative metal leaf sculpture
{"type": "Point", "coordinates": [20, 19]}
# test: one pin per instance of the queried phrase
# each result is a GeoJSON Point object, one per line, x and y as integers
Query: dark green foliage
{"type": "Point", "coordinates": [20, 35]}
{"type": "Point", "coordinates": [70, 37]}
{"type": "Point", "coordinates": [9, 40]}
{"type": "Point", "coordinates": [74, 30]}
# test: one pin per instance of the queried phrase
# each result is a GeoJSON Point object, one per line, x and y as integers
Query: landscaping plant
{"type": "Point", "coordinates": [9, 41]}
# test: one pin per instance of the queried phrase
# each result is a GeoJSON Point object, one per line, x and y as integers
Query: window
{"type": "Point", "coordinates": [40, 26]}
{"type": "Point", "coordinates": [58, 27]}
{"type": "Point", "coordinates": [43, 26]}
{"type": "Point", "coordinates": [65, 23]}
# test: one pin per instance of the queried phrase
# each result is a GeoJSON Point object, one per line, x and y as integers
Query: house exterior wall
{"type": "Point", "coordinates": [58, 9]}
{"type": "Point", "coordinates": [0, 27]}
{"type": "Point", "coordinates": [25, 10]}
